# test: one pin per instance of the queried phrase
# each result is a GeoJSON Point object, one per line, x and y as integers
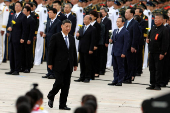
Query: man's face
{"type": "Point", "coordinates": [18, 7]}
{"type": "Point", "coordinates": [66, 28]}
{"type": "Point", "coordinates": [128, 14]}
{"type": "Point", "coordinates": [25, 11]}
{"type": "Point", "coordinates": [109, 3]}
{"type": "Point", "coordinates": [67, 9]}
{"type": "Point", "coordinates": [158, 20]}
{"type": "Point", "coordinates": [86, 20]}
{"type": "Point", "coordinates": [103, 13]}
{"type": "Point", "coordinates": [137, 12]}
{"type": "Point", "coordinates": [74, 1]}
{"type": "Point", "coordinates": [57, 6]}
{"type": "Point", "coordinates": [51, 14]}
{"type": "Point", "coordinates": [119, 23]}
{"type": "Point", "coordinates": [7, 3]}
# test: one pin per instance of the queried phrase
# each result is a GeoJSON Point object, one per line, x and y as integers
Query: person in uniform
{"type": "Point", "coordinates": [4, 14]}
{"type": "Point", "coordinates": [71, 16]}
{"type": "Point", "coordinates": [122, 9]}
{"type": "Point", "coordinates": [42, 12]}
{"type": "Point", "coordinates": [49, 5]}
{"type": "Point", "coordinates": [158, 46]}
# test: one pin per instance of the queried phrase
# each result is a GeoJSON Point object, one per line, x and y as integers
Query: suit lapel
{"type": "Point", "coordinates": [130, 24]}
{"type": "Point", "coordinates": [63, 41]}
{"type": "Point", "coordinates": [87, 30]}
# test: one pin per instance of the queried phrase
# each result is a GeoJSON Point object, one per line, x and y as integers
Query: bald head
{"type": "Point", "coordinates": [87, 20]}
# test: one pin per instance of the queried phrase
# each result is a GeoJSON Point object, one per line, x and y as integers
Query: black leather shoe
{"type": "Point", "coordinates": [150, 87]}
{"type": "Point", "coordinates": [65, 108]}
{"type": "Point", "coordinates": [79, 80]}
{"type": "Point", "coordinates": [127, 82]}
{"type": "Point", "coordinates": [112, 84]}
{"type": "Point", "coordinates": [50, 103]}
{"type": "Point", "coordinates": [86, 81]}
{"type": "Point", "coordinates": [157, 88]}
{"type": "Point", "coordinates": [45, 76]}
{"type": "Point", "coordinates": [118, 84]}
{"type": "Point", "coordinates": [10, 72]}
{"type": "Point", "coordinates": [51, 77]}
{"type": "Point", "coordinates": [101, 73]}
{"type": "Point", "coordinates": [27, 71]}
{"type": "Point", "coordinates": [15, 73]}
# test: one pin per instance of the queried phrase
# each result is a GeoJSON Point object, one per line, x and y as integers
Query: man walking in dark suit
{"type": "Point", "coordinates": [18, 30]}
{"type": "Point", "coordinates": [86, 37]}
{"type": "Point", "coordinates": [62, 56]}
{"type": "Point", "coordinates": [53, 26]}
{"type": "Point", "coordinates": [27, 52]}
{"type": "Point", "coordinates": [71, 17]}
{"type": "Point", "coordinates": [130, 61]}
{"type": "Point", "coordinates": [120, 40]}
{"type": "Point", "coordinates": [108, 26]}
{"type": "Point", "coordinates": [60, 16]}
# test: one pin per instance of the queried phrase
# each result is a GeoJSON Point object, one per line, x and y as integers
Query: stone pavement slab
{"type": "Point", "coordinates": [111, 99]}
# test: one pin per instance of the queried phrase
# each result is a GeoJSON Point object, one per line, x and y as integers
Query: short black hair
{"type": "Point", "coordinates": [85, 98]}
{"type": "Point", "coordinates": [140, 10]}
{"type": "Point", "coordinates": [81, 110]}
{"type": "Point", "coordinates": [29, 4]}
{"type": "Point", "coordinates": [123, 19]}
{"type": "Point", "coordinates": [59, 3]}
{"type": "Point", "coordinates": [22, 99]}
{"type": "Point", "coordinates": [24, 108]}
{"type": "Point", "coordinates": [137, 18]}
{"type": "Point", "coordinates": [92, 104]}
{"type": "Point", "coordinates": [159, 14]}
{"type": "Point", "coordinates": [66, 21]}
{"type": "Point", "coordinates": [94, 13]}
{"type": "Point", "coordinates": [19, 3]}
{"type": "Point", "coordinates": [28, 8]}
{"type": "Point", "coordinates": [54, 10]}
{"type": "Point", "coordinates": [132, 10]}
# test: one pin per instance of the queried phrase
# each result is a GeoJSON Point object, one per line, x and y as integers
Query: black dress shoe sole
{"type": "Point", "coordinates": [65, 108]}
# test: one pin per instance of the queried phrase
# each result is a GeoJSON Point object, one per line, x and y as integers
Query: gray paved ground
{"type": "Point", "coordinates": [126, 99]}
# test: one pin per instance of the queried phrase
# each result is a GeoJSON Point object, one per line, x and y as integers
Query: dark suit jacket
{"type": "Point", "coordinates": [30, 31]}
{"type": "Point", "coordinates": [73, 19]}
{"type": "Point", "coordinates": [36, 18]}
{"type": "Point", "coordinates": [108, 26]}
{"type": "Point", "coordinates": [50, 30]}
{"type": "Point", "coordinates": [61, 16]}
{"type": "Point", "coordinates": [120, 42]}
{"type": "Point", "coordinates": [134, 31]}
{"type": "Point", "coordinates": [59, 54]}
{"type": "Point", "coordinates": [98, 30]}
{"type": "Point", "coordinates": [87, 40]}
{"type": "Point", "coordinates": [18, 29]}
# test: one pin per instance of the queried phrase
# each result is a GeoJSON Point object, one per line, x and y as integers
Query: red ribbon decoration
{"type": "Point", "coordinates": [156, 37]}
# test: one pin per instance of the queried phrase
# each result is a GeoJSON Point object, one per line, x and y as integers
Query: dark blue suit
{"type": "Point", "coordinates": [49, 31]}
{"type": "Point", "coordinates": [61, 16]}
{"type": "Point", "coordinates": [120, 45]}
{"type": "Point", "coordinates": [17, 33]}
{"type": "Point", "coordinates": [73, 19]}
{"type": "Point", "coordinates": [130, 62]}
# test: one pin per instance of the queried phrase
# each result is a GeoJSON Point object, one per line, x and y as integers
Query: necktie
{"type": "Point", "coordinates": [127, 24]}
{"type": "Point", "coordinates": [15, 17]}
{"type": "Point", "coordinates": [84, 30]}
{"type": "Point", "coordinates": [51, 23]}
{"type": "Point", "coordinates": [66, 41]}
{"type": "Point", "coordinates": [117, 31]}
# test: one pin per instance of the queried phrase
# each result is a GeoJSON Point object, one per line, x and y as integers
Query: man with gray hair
{"type": "Point", "coordinates": [71, 17]}
{"type": "Point", "coordinates": [108, 26]}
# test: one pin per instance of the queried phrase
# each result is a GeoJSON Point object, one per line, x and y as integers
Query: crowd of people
{"type": "Point", "coordinates": [108, 33]}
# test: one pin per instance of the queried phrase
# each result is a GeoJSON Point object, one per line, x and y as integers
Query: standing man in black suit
{"type": "Point", "coordinates": [130, 61]}
{"type": "Point", "coordinates": [95, 60]}
{"type": "Point", "coordinates": [17, 37]}
{"type": "Point", "coordinates": [71, 17]}
{"type": "Point", "coordinates": [86, 37]}
{"type": "Point", "coordinates": [53, 26]}
{"type": "Point", "coordinates": [108, 26]}
{"type": "Point", "coordinates": [27, 52]}
{"type": "Point", "coordinates": [60, 16]}
{"type": "Point", "coordinates": [62, 56]}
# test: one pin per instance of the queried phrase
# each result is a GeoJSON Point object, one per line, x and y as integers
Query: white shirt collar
{"type": "Point", "coordinates": [28, 16]}
{"type": "Point", "coordinates": [120, 29]}
{"type": "Point", "coordinates": [18, 14]}
{"type": "Point", "coordinates": [103, 18]}
{"type": "Point", "coordinates": [53, 19]}
{"type": "Point", "coordinates": [87, 26]}
{"type": "Point", "coordinates": [92, 23]}
{"type": "Point", "coordinates": [165, 24]}
{"type": "Point", "coordinates": [64, 35]}
{"type": "Point", "coordinates": [130, 20]}
{"type": "Point", "coordinates": [68, 14]}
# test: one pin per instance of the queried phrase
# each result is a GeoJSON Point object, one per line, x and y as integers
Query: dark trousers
{"type": "Point", "coordinates": [62, 82]}
{"type": "Point", "coordinates": [155, 68]}
{"type": "Point", "coordinates": [95, 63]}
{"type": "Point", "coordinates": [85, 65]}
{"type": "Point", "coordinates": [100, 57]}
{"type": "Point", "coordinates": [104, 60]}
{"type": "Point", "coordinates": [130, 65]}
{"type": "Point", "coordinates": [139, 59]}
{"type": "Point", "coordinates": [27, 54]}
{"type": "Point", "coordinates": [50, 72]}
{"type": "Point", "coordinates": [118, 67]}
{"type": "Point", "coordinates": [15, 56]}
{"type": "Point", "coordinates": [166, 67]}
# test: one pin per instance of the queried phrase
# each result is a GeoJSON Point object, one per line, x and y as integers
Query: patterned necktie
{"type": "Point", "coordinates": [66, 41]}
{"type": "Point", "coordinates": [117, 32]}
{"type": "Point", "coordinates": [84, 30]}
